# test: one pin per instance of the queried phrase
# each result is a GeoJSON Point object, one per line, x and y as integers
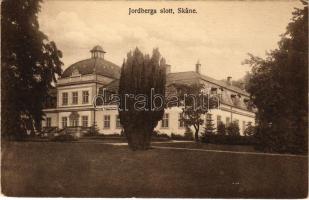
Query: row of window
{"type": "Point", "coordinates": [181, 124]}
{"type": "Point", "coordinates": [164, 121]}
{"type": "Point", "coordinates": [65, 97]}
{"type": "Point", "coordinates": [74, 122]}
{"type": "Point", "coordinates": [85, 123]}
{"type": "Point", "coordinates": [228, 121]}
{"type": "Point", "coordinates": [107, 122]}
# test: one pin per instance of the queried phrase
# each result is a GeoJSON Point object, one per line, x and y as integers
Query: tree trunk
{"type": "Point", "coordinates": [196, 134]}
{"type": "Point", "coordinates": [138, 138]}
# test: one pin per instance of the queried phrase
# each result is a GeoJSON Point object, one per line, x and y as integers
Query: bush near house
{"type": "Point", "coordinates": [230, 139]}
{"type": "Point", "coordinates": [233, 129]}
{"type": "Point", "coordinates": [186, 136]}
{"type": "Point", "coordinates": [221, 130]}
{"type": "Point", "coordinates": [250, 130]}
{"type": "Point", "coordinates": [93, 131]}
{"type": "Point", "coordinates": [157, 135]}
{"type": "Point", "coordinates": [64, 138]}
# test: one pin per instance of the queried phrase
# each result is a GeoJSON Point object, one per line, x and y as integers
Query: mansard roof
{"type": "Point", "coordinates": [230, 95]}
{"type": "Point", "coordinates": [190, 77]}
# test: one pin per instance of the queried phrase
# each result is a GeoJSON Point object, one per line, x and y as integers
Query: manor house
{"type": "Point", "coordinates": [71, 104]}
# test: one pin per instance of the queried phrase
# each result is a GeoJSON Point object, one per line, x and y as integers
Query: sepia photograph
{"type": "Point", "coordinates": [154, 99]}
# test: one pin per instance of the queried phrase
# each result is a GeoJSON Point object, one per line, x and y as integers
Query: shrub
{"type": "Point", "coordinates": [64, 138]}
{"type": "Point", "coordinates": [221, 129]}
{"type": "Point", "coordinates": [189, 135]}
{"type": "Point", "coordinates": [93, 131]}
{"type": "Point", "coordinates": [186, 136]}
{"type": "Point", "coordinates": [250, 130]}
{"type": "Point", "coordinates": [232, 140]}
{"type": "Point", "coordinates": [233, 129]}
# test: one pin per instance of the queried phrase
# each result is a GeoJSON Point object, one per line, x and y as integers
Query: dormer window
{"type": "Point", "coordinates": [75, 73]}
{"type": "Point", "coordinates": [213, 90]}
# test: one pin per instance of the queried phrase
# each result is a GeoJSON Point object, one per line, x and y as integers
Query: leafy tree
{"type": "Point", "coordinates": [279, 89]}
{"type": "Point", "coordinates": [195, 107]}
{"type": "Point", "coordinates": [221, 128]}
{"type": "Point", "coordinates": [233, 129]}
{"type": "Point", "coordinates": [250, 130]}
{"type": "Point", "coordinates": [139, 74]}
{"type": "Point", "coordinates": [210, 126]}
{"type": "Point", "coordinates": [29, 66]}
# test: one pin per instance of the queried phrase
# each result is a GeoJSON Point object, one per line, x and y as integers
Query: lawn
{"type": "Point", "coordinates": [100, 170]}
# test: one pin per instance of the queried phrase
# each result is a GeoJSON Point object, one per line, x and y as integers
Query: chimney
{"type": "Point", "coordinates": [229, 80]}
{"type": "Point", "coordinates": [168, 68]}
{"type": "Point", "coordinates": [242, 85]}
{"type": "Point", "coordinates": [198, 67]}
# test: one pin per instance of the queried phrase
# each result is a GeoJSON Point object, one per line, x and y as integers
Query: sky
{"type": "Point", "coordinates": [219, 35]}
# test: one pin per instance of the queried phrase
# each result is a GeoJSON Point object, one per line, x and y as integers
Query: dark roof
{"type": "Point", "coordinates": [191, 77]}
{"type": "Point", "coordinates": [112, 86]}
{"type": "Point", "coordinates": [103, 67]}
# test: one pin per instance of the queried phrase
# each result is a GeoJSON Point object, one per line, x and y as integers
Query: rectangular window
{"type": "Point", "coordinates": [64, 98]}
{"type": "Point", "coordinates": [227, 121]}
{"type": "Point", "coordinates": [208, 116]}
{"type": "Point", "coordinates": [64, 122]}
{"type": "Point", "coordinates": [181, 122]}
{"type": "Point", "coordinates": [118, 124]}
{"type": "Point", "coordinates": [107, 121]}
{"type": "Point", "coordinates": [48, 122]}
{"type": "Point", "coordinates": [85, 121]}
{"type": "Point", "coordinates": [165, 121]}
{"type": "Point", "coordinates": [85, 97]}
{"type": "Point", "coordinates": [74, 97]}
{"type": "Point", "coordinates": [237, 121]}
{"type": "Point", "coordinates": [218, 120]}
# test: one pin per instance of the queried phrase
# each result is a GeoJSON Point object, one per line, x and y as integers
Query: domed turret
{"type": "Point", "coordinates": [97, 52]}
{"type": "Point", "coordinates": [96, 64]}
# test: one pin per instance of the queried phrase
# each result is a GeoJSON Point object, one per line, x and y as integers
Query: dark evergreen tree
{"type": "Point", "coordinates": [279, 89]}
{"type": "Point", "coordinates": [28, 68]}
{"type": "Point", "coordinates": [210, 126]}
{"type": "Point", "coordinates": [221, 129]}
{"type": "Point", "coordinates": [139, 74]}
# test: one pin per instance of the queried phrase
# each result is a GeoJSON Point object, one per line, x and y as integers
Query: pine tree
{"type": "Point", "coordinates": [210, 126]}
{"type": "Point", "coordinates": [139, 75]}
{"type": "Point", "coordinates": [29, 66]}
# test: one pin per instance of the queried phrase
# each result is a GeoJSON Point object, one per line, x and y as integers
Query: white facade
{"type": "Point", "coordinates": [76, 91]}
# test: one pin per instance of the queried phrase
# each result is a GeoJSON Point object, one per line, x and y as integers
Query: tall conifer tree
{"type": "Point", "coordinates": [139, 75]}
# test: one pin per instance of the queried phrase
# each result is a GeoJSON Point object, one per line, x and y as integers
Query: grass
{"type": "Point", "coordinates": [55, 169]}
